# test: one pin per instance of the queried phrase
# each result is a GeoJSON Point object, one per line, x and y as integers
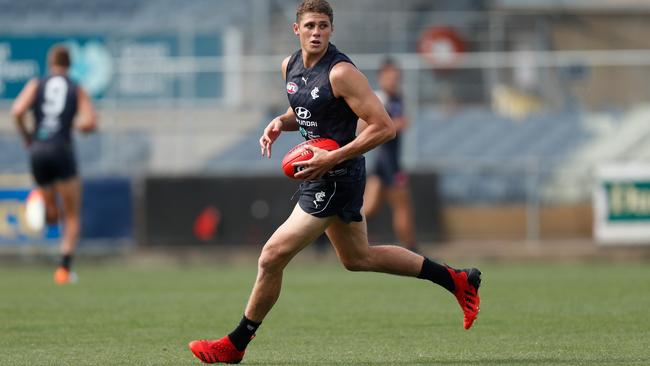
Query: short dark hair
{"type": "Point", "coordinates": [59, 56]}
{"type": "Point", "coordinates": [314, 6]}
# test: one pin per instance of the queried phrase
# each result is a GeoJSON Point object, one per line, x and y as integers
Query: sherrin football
{"type": "Point", "coordinates": [299, 153]}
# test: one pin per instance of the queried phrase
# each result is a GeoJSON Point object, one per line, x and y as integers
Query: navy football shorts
{"type": "Point", "coordinates": [51, 163]}
{"type": "Point", "coordinates": [342, 196]}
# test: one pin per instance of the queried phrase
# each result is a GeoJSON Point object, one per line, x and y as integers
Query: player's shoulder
{"type": "Point", "coordinates": [285, 64]}
{"type": "Point", "coordinates": [35, 81]}
{"type": "Point", "coordinates": [33, 84]}
{"type": "Point", "coordinates": [346, 79]}
{"type": "Point", "coordinates": [343, 69]}
{"type": "Point", "coordinates": [344, 72]}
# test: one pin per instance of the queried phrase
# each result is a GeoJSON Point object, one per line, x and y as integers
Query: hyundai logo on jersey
{"type": "Point", "coordinates": [303, 113]}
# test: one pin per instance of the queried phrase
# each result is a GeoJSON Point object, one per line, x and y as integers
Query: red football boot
{"type": "Point", "coordinates": [64, 276]}
{"type": "Point", "coordinates": [221, 350]}
{"type": "Point", "coordinates": [466, 283]}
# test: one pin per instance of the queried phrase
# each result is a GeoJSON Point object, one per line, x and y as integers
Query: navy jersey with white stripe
{"type": "Point", "coordinates": [54, 109]}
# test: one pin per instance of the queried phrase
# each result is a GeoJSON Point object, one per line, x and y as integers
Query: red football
{"type": "Point", "coordinates": [298, 153]}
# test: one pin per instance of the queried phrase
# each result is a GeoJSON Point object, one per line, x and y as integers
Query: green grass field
{"type": "Point", "coordinates": [594, 314]}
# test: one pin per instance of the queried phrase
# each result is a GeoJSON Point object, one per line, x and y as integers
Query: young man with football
{"type": "Point", "coordinates": [59, 105]}
{"type": "Point", "coordinates": [327, 95]}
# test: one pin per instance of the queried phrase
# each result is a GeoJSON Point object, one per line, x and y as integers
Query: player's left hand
{"type": "Point", "coordinates": [271, 133]}
{"type": "Point", "coordinates": [315, 167]}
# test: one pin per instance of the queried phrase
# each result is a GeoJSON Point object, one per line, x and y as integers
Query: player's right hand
{"type": "Point", "coordinates": [271, 133]}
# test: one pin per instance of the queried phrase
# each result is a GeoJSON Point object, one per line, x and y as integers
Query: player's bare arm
{"type": "Point", "coordinates": [283, 122]}
{"type": "Point", "coordinates": [401, 123]}
{"type": "Point", "coordinates": [349, 83]}
{"type": "Point", "coordinates": [21, 106]}
{"type": "Point", "coordinates": [87, 120]}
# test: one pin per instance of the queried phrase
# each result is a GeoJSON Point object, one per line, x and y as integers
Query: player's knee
{"type": "Point", "coordinates": [271, 259]}
{"type": "Point", "coordinates": [265, 262]}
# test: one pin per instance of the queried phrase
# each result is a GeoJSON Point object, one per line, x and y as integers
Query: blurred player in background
{"type": "Point", "coordinates": [55, 101]}
{"type": "Point", "coordinates": [387, 180]}
{"type": "Point", "coordinates": [327, 94]}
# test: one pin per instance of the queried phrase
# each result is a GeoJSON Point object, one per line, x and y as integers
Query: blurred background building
{"type": "Point", "coordinates": [516, 108]}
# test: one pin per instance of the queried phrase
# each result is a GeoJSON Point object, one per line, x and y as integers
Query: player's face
{"type": "Point", "coordinates": [389, 80]}
{"type": "Point", "coordinates": [314, 31]}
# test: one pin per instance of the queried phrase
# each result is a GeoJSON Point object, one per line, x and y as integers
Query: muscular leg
{"type": "Point", "coordinates": [372, 196]}
{"type": "Point", "coordinates": [70, 193]}
{"type": "Point", "coordinates": [298, 231]}
{"type": "Point", "coordinates": [400, 201]}
{"type": "Point", "coordinates": [351, 244]}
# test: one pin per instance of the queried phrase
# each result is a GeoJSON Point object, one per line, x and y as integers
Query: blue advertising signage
{"type": "Point", "coordinates": [106, 214]}
{"type": "Point", "coordinates": [111, 66]}
{"type": "Point", "coordinates": [13, 222]}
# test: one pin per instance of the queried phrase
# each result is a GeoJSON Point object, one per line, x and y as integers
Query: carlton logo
{"type": "Point", "coordinates": [292, 87]}
{"type": "Point", "coordinates": [303, 113]}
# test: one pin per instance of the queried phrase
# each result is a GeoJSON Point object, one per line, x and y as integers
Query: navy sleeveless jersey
{"type": "Point", "coordinates": [54, 110]}
{"type": "Point", "coordinates": [318, 112]}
